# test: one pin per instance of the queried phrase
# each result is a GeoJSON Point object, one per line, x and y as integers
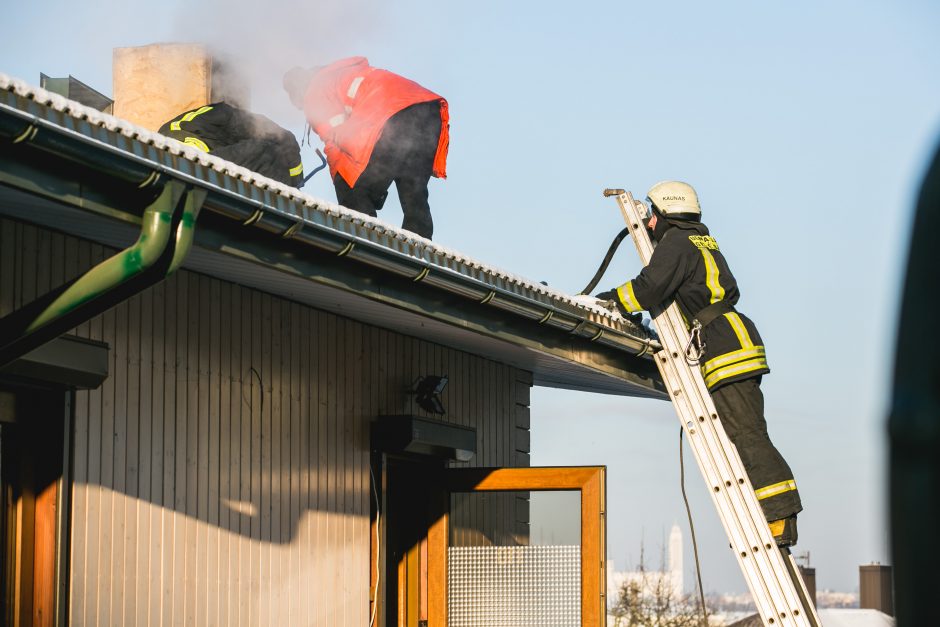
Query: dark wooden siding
{"type": "Point", "coordinates": [221, 472]}
{"type": "Point", "coordinates": [498, 518]}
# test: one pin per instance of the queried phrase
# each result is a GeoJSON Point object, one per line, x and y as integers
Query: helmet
{"type": "Point", "coordinates": [675, 199]}
{"type": "Point", "coordinates": [296, 81]}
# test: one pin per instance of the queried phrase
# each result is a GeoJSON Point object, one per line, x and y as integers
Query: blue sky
{"type": "Point", "coordinates": [804, 126]}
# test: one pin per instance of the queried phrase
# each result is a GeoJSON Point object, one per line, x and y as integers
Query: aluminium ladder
{"type": "Point", "coordinates": [779, 593]}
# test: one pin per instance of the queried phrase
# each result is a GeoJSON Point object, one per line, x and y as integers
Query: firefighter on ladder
{"type": "Point", "coordinates": [687, 265]}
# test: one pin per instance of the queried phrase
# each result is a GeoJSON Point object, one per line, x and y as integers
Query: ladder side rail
{"type": "Point", "coordinates": [756, 551]}
{"type": "Point", "coordinates": [802, 589]}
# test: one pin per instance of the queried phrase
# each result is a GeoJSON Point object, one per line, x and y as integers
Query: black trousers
{"type": "Point", "coordinates": [266, 156]}
{"type": "Point", "coordinates": [741, 408]}
{"type": "Point", "coordinates": [404, 155]}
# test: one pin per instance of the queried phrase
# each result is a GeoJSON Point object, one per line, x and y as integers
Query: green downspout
{"type": "Point", "coordinates": [186, 229]}
{"type": "Point", "coordinates": [113, 280]}
{"type": "Point", "coordinates": [155, 233]}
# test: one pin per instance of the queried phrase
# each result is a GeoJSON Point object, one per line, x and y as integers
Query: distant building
{"type": "Point", "coordinates": [840, 609]}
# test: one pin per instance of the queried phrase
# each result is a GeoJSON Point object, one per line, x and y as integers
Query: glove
{"type": "Point", "coordinates": [611, 295]}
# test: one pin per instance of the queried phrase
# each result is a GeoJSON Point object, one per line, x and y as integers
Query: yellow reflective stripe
{"type": "Point", "coordinates": [297, 170]}
{"type": "Point", "coordinates": [198, 143]}
{"type": "Point", "coordinates": [739, 329]}
{"type": "Point", "coordinates": [628, 298]}
{"type": "Point", "coordinates": [732, 357]}
{"type": "Point", "coordinates": [175, 125]}
{"type": "Point", "coordinates": [773, 490]}
{"type": "Point", "coordinates": [735, 370]}
{"type": "Point", "coordinates": [711, 276]}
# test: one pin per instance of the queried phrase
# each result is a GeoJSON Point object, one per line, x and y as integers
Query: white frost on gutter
{"type": "Point", "coordinates": [132, 131]}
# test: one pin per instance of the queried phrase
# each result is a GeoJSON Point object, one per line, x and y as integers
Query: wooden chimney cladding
{"type": "Point", "coordinates": [153, 84]}
{"type": "Point", "coordinates": [221, 472]}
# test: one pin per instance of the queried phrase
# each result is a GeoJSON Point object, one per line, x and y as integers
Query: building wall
{"type": "Point", "coordinates": [221, 472]}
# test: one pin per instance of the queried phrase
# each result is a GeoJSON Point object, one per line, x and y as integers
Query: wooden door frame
{"type": "Point", "coordinates": [590, 481]}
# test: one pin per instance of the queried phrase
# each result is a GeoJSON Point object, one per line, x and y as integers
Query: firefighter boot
{"type": "Point", "coordinates": [784, 531]}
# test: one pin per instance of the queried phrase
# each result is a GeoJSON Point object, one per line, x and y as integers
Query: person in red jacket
{"type": "Point", "coordinates": [377, 128]}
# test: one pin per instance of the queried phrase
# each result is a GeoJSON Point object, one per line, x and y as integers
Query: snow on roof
{"type": "Point", "coordinates": [851, 617]}
{"type": "Point", "coordinates": [835, 617]}
{"type": "Point", "coordinates": [132, 131]}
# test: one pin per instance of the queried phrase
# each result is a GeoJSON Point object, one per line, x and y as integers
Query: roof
{"type": "Point", "coordinates": [851, 617]}
{"type": "Point", "coordinates": [73, 169]}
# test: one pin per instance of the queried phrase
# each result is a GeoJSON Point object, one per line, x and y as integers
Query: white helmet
{"type": "Point", "coordinates": [675, 199]}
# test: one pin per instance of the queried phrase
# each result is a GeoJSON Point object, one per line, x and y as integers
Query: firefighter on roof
{"type": "Point", "coordinates": [377, 128]}
{"type": "Point", "coordinates": [248, 139]}
{"type": "Point", "coordinates": [687, 265]}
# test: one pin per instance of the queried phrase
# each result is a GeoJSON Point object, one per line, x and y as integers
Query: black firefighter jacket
{"type": "Point", "coordinates": [248, 139]}
{"type": "Point", "coordinates": [688, 265]}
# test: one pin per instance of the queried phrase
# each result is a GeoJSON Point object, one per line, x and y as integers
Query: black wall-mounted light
{"type": "Point", "coordinates": [427, 392]}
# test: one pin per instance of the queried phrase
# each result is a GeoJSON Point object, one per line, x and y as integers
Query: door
{"type": "Point", "coordinates": [401, 590]}
{"type": "Point", "coordinates": [32, 520]}
{"type": "Point", "coordinates": [490, 562]}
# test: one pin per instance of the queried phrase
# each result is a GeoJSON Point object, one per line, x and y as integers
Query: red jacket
{"type": "Point", "coordinates": [348, 102]}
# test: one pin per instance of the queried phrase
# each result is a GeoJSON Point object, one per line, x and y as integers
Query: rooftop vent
{"type": "Point", "coordinates": [74, 89]}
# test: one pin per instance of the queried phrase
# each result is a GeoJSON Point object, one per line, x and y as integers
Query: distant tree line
{"type": "Point", "coordinates": [651, 601]}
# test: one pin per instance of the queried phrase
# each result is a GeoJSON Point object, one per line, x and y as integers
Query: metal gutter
{"type": "Point", "coordinates": [48, 122]}
{"type": "Point", "coordinates": [441, 272]}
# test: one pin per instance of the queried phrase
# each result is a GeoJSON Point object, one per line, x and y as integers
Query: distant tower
{"type": "Point", "coordinates": [675, 560]}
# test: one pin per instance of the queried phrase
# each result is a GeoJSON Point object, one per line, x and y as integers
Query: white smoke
{"type": "Point", "coordinates": [262, 40]}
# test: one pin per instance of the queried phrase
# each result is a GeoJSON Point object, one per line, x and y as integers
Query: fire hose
{"type": "Point", "coordinates": [614, 245]}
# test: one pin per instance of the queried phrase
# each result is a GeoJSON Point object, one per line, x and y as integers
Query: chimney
{"type": "Point", "coordinates": [875, 588]}
{"type": "Point", "coordinates": [154, 84]}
